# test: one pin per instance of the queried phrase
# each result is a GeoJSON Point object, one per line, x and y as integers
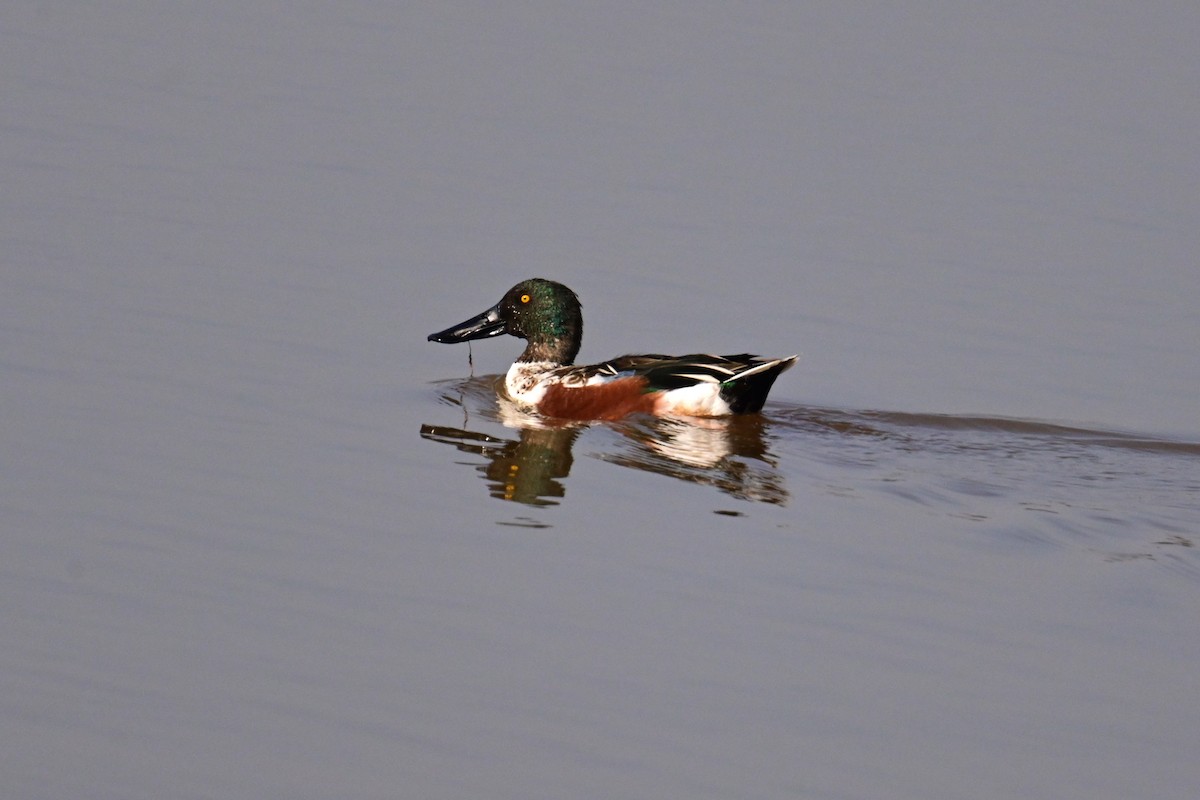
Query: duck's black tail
{"type": "Point", "coordinates": [747, 390]}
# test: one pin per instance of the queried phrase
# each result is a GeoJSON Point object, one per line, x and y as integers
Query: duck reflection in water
{"type": "Point", "coordinates": [728, 453]}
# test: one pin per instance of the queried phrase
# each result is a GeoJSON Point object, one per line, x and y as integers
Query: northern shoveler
{"type": "Point", "coordinates": [545, 378]}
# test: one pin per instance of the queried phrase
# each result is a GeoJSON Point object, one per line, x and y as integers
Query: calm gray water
{"type": "Point", "coordinates": [258, 538]}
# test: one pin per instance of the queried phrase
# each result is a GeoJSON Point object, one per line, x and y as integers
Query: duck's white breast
{"type": "Point", "coordinates": [526, 381]}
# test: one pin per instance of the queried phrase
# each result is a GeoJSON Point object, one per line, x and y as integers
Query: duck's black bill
{"type": "Point", "coordinates": [482, 326]}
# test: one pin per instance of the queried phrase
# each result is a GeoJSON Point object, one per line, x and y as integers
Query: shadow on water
{"type": "Point", "coordinates": [1024, 480]}
{"type": "Point", "coordinates": [729, 454]}
{"type": "Point", "coordinates": [733, 454]}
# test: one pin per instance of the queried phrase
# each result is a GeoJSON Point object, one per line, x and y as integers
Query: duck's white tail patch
{"type": "Point", "coordinates": [698, 400]}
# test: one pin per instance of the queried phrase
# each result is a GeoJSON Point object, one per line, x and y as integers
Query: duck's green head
{"type": "Point", "coordinates": [544, 313]}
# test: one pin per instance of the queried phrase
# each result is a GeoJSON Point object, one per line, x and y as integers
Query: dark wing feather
{"type": "Point", "coordinates": [676, 372]}
{"type": "Point", "coordinates": [744, 379]}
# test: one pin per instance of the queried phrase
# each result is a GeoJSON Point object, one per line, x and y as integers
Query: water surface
{"type": "Point", "coordinates": [258, 538]}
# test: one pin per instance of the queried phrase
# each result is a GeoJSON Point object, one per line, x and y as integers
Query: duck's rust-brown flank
{"type": "Point", "coordinates": [611, 400]}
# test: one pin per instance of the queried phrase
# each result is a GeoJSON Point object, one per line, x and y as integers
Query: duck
{"type": "Point", "coordinates": [546, 380]}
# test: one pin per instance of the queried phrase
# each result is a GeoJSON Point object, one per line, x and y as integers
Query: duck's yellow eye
{"type": "Point", "coordinates": [524, 298]}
